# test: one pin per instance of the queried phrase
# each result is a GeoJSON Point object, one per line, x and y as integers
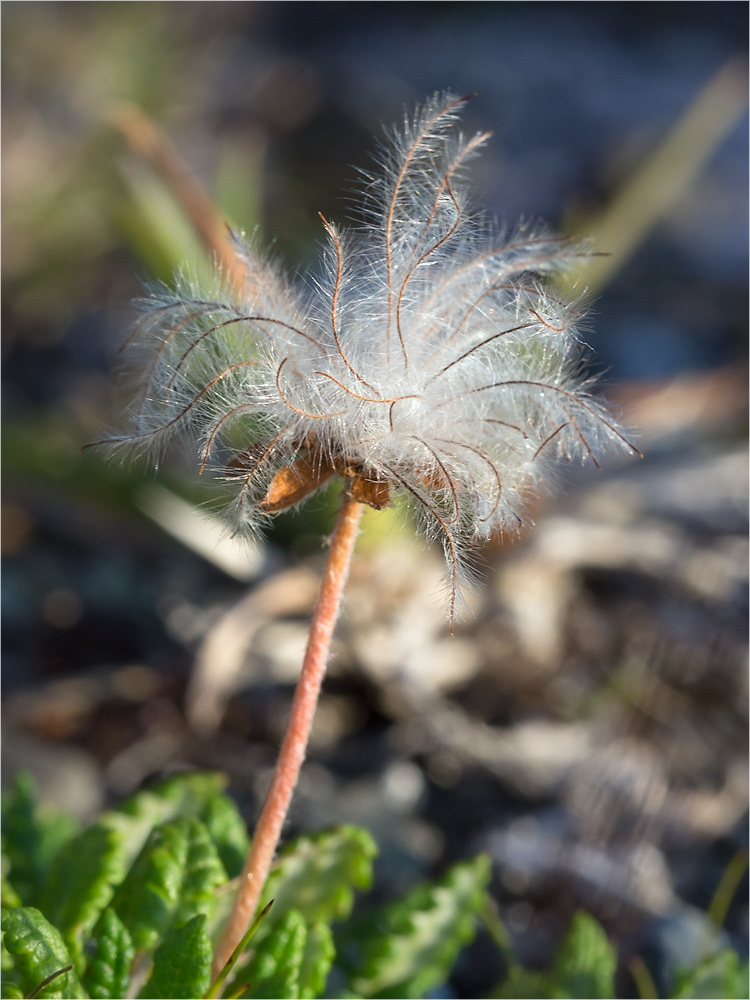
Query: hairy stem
{"type": "Point", "coordinates": [292, 753]}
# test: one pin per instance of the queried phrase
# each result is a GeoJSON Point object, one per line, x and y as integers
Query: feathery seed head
{"type": "Point", "coordinates": [429, 359]}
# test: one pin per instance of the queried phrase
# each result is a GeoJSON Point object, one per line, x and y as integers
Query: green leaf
{"type": "Point", "coordinates": [147, 899]}
{"type": "Point", "coordinates": [317, 960]}
{"type": "Point", "coordinates": [108, 973]}
{"type": "Point", "coordinates": [182, 963]}
{"type": "Point", "coordinates": [585, 963]}
{"type": "Point", "coordinates": [227, 830]}
{"type": "Point", "coordinates": [722, 975]}
{"type": "Point", "coordinates": [520, 984]}
{"type": "Point", "coordinates": [273, 972]}
{"type": "Point", "coordinates": [81, 884]}
{"type": "Point", "coordinates": [6, 959]}
{"type": "Point", "coordinates": [31, 838]}
{"type": "Point", "coordinates": [38, 951]}
{"type": "Point", "coordinates": [173, 879]}
{"type": "Point", "coordinates": [410, 946]}
{"type": "Point", "coordinates": [8, 894]}
{"type": "Point", "coordinates": [202, 875]}
{"type": "Point", "coordinates": [317, 875]}
{"type": "Point", "coordinates": [182, 795]}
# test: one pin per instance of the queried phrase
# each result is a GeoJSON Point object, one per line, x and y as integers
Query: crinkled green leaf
{"type": "Point", "coordinates": [585, 962]}
{"type": "Point", "coordinates": [108, 972]}
{"type": "Point", "coordinates": [182, 795]}
{"type": "Point", "coordinates": [38, 952]}
{"type": "Point", "coordinates": [182, 963]}
{"type": "Point", "coordinates": [317, 959]}
{"type": "Point", "coordinates": [203, 874]}
{"type": "Point", "coordinates": [31, 837]}
{"type": "Point", "coordinates": [410, 946]}
{"type": "Point", "coordinates": [174, 878]}
{"type": "Point", "coordinates": [317, 875]}
{"type": "Point", "coordinates": [723, 975]}
{"type": "Point", "coordinates": [273, 971]}
{"type": "Point", "coordinates": [147, 899]}
{"type": "Point", "coordinates": [81, 884]}
{"type": "Point", "coordinates": [227, 830]}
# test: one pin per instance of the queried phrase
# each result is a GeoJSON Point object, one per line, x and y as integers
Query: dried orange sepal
{"type": "Point", "coordinates": [374, 492]}
{"type": "Point", "coordinates": [294, 482]}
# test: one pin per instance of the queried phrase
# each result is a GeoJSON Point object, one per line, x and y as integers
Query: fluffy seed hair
{"type": "Point", "coordinates": [427, 359]}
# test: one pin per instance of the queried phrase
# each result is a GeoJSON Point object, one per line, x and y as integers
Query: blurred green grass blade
{"type": "Point", "coordinates": [239, 182]}
{"type": "Point", "coordinates": [217, 986]}
{"type": "Point", "coordinates": [156, 228]}
{"type": "Point", "coordinates": [662, 179]}
{"type": "Point", "coordinates": [728, 884]}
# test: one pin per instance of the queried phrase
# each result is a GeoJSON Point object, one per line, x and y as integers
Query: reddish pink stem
{"type": "Point", "coordinates": [292, 753]}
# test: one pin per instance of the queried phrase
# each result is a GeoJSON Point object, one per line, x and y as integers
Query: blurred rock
{"type": "Point", "coordinates": [542, 850]}
{"type": "Point", "coordinates": [67, 778]}
{"type": "Point", "coordinates": [618, 795]}
{"type": "Point", "coordinates": [396, 626]}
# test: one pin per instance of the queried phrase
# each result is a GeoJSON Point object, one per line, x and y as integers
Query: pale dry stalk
{"type": "Point", "coordinates": [292, 753]}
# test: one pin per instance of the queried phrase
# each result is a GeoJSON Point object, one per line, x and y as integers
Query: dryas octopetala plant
{"type": "Point", "coordinates": [427, 358]}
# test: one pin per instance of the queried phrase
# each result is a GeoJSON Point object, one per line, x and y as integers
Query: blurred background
{"type": "Point", "coordinates": [587, 725]}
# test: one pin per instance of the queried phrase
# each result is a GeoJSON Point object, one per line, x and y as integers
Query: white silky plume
{"type": "Point", "coordinates": [428, 354]}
